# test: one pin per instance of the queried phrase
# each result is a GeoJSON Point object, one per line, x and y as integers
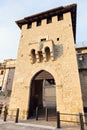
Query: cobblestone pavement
{"type": "Point", "coordinates": [33, 125]}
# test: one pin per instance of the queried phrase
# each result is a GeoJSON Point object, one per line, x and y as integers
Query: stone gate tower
{"type": "Point", "coordinates": [46, 55]}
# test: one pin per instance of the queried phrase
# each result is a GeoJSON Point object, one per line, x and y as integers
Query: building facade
{"type": "Point", "coordinates": [7, 69]}
{"type": "Point", "coordinates": [82, 66]}
{"type": "Point", "coordinates": [46, 73]}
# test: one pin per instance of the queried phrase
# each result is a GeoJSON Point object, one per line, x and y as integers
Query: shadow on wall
{"type": "Point", "coordinates": [58, 51]}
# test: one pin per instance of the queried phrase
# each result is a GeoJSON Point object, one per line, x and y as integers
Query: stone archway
{"type": "Point", "coordinates": [42, 92]}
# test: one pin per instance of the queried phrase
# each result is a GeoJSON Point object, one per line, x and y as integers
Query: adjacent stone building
{"type": "Point", "coordinates": [82, 66]}
{"type": "Point", "coordinates": [7, 69]}
{"type": "Point", "coordinates": [46, 73]}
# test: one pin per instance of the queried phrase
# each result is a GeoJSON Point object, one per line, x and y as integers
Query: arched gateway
{"type": "Point", "coordinates": [42, 93]}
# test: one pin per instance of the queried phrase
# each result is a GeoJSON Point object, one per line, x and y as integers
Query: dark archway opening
{"type": "Point", "coordinates": [33, 55]}
{"type": "Point", "coordinates": [47, 52]}
{"type": "Point", "coordinates": [42, 93]}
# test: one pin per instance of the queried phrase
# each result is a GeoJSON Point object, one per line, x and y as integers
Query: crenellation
{"type": "Point", "coordinates": [44, 22]}
{"type": "Point", "coordinates": [54, 19]}
{"type": "Point", "coordinates": [66, 17]}
{"type": "Point", "coordinates": [34, 25]}
{"type": "Point", "coordinates": [24, 27]}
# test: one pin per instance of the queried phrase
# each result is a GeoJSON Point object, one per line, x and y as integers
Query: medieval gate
{"type": "Point", "coordinates": [42, 93]}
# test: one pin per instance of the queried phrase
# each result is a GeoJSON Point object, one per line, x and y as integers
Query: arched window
{"type": "Point", "coordinates": [47, 52]}
{"type": "Point", "coordinates": [40, 55]}
{"type": "Point", "coordinates": [33, 55]}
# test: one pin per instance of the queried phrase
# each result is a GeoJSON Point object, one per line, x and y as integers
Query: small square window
{"type": "Point", "coordinates": [49, 20]}
{"type": "Point", "coordinates": [38, 22]}
{"type": "Point", "coordinates": [60, 17]}
{"type": "Point", "coordinates": [29, 25]}
{"type": "Point", "coordinates": [43, 39]}
{"type": "Point", "coordinates": [58, 39]}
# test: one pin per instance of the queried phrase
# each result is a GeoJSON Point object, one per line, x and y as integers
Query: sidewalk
{"type": "Point", "coordinates": [10, 125]}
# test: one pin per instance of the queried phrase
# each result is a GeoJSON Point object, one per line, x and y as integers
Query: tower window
{"type": "Point", "coordinates": [49, 20]}
{"type": "Point", "coordinates": [40, 56]}
{"type": "Point", "coordinates": [60, 17]}
{"type": "Point", "coordinates": [33, 55]}
{"type": "Point", "coordinates": [58, 39]}
{"type": "Point", "coordinates": [47, 52]}
{"type": "Point", "coordinates": [43, 39]}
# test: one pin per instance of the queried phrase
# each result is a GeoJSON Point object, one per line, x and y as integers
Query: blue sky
{"type": "Point", "coordinates": [12, 10]}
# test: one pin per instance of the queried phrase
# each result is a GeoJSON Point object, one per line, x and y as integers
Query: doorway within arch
{"type": "Point", "coordinates": [42, 93]}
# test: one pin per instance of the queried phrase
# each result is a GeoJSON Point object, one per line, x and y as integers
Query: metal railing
{"type": "Point", "coordinates": [58, 120]}
{"type": "Point", "coordinates": [4, 114]}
